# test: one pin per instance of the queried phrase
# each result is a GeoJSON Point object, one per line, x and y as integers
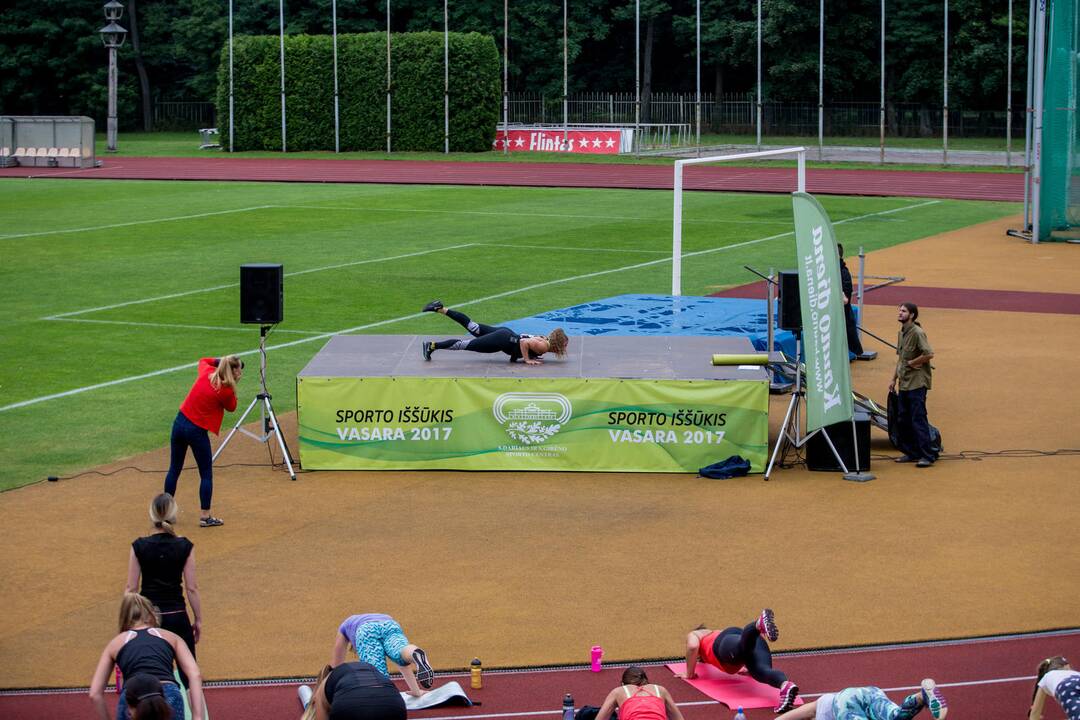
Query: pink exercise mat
{"type": "Point", "coordinates": [733, 690]}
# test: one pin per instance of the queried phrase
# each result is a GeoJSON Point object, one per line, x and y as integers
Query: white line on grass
{"type": "Point", "coordinates": [138, 222]}
{"type": "Point", "coordinates": [575, 249]}
{"type": "Point", "coordinates": [173, 325]}
{"type": "Point", "coordinates": [389, 321]}
{"type": "Point", "coordinates": [235, 284]}
{"type": "Point", "coordinates": [492, 213]}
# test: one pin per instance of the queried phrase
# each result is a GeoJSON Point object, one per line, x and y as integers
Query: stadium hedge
{"type": "Point", "coordinates": [416, 92]}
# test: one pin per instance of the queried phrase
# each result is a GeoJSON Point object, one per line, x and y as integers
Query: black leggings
{"type": "Point", "coordinates": [486, 338]}
{"type": "Point", "coordinates": [178, 622]}
{"type": "Point", "coordinates": [746, 647]}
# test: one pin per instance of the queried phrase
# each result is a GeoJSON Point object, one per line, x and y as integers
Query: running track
{"type": "Point", "coordinates": [982, 679]}
{"type": "Point", "coordinates": [956, 298]}
{"type": "Point", "coordinates": [955, 185]}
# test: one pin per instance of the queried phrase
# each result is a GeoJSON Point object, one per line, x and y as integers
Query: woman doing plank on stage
{"type": "Point", "coordinates": [1056, 679]}
{"type": "Point", "coordinates": [490, 339]}
{"type": "Point", "coordinates": [734, 648]}
{"type": "Point", "coordinates": [870, 703]}
{"type": "Point", "coordinates": [638, 700]}
{"type": "Point", "coordinates": [201, 413]}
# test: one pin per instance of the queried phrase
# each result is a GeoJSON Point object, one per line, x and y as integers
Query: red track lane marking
{"type": "Point", "coordinates": [943, 297]}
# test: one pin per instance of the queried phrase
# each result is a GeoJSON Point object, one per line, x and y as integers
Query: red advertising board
{"type": "Point", "coordinates": [595, 142]}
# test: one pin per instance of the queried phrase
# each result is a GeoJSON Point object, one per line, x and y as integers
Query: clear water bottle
{"type": "Point", "coordinates": [568, 707]}
{"type": "Point", "coordinates": [739, 714]}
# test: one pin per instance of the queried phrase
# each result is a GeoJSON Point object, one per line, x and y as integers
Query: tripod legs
{"type": "Point", "coordinates": [783, 435]}
{"type": "Point", "coordinates": [280, 437]}
{"type": "Point", "coordinates": [273, 430]}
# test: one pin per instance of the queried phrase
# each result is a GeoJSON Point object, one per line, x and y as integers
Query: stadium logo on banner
{"type": "Point", "coordinates": [532, 418]}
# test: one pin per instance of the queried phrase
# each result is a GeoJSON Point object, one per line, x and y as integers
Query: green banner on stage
{"type": "Point", "coordinates": [828, 377]}
{"type": "Point", "coordinates": [541, 424]}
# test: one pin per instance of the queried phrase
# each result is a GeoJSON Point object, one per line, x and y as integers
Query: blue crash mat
{"type": "Point", "coordinates": [661, 315]}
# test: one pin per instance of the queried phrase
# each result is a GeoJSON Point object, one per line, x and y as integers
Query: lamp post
{"type": "Point", "coordinates": [112, 36]}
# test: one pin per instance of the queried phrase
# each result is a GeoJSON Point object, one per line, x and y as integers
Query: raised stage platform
{"type": "Point", "coordinates": [631, 404]}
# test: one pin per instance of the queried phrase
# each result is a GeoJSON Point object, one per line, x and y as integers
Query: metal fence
{"type": "Point", "coordinates": [732, 114]}
{"type": "Point", "coordinates": [183, 115]}
{"type": "Point", "coordinates": [736, 114]}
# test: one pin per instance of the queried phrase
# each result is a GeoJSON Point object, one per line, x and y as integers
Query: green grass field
{"type": "Point", "coordinates": [112, 290]}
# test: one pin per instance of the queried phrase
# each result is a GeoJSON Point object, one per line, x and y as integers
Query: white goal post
{"type": "Point", "coordinates": [676, 241]}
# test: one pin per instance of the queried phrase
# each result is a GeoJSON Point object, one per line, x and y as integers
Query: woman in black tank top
{"type": "Point", "coordinates": [166, 565]}
{"type": "Point", "coordinates": [142, 648]}
{"type": "Point", "coordinates": [356, 691]}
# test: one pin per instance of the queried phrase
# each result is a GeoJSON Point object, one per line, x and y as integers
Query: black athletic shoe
{"type": "Point", "coordinates": [424, 674]}
{"type": "Point", "coordinates": [766, 625]}
{"type": "Point", "coordinates": [427, 348]}
{"type": "Point", "coordinates": [433, 306]}
{"type": "Point", "coordinates": [211, 522]}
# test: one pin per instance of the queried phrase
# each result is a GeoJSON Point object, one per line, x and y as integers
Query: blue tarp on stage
{"type": "Point", "coordinates": [662, 315]}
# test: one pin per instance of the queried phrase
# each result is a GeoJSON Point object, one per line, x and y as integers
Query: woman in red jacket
{"type": "Point", "coordinates": [213, 393]}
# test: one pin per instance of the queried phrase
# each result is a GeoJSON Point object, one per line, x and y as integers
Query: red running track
{"type": "Point", "coordinates": [956, 298]}
{"type": "Point", "coordinates": [955, 185]}
{"type": "Point", "coordinates": [982, 680]}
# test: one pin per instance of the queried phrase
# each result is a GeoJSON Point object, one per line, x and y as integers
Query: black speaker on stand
{"type": "Point", "coordinates": [262, 303]}
{"type": "Point", "coordinates": [790, 307]}
{"type": "Point", "coordinates": [262, 294]}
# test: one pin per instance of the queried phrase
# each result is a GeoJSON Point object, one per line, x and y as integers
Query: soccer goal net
{"type": "Point", "coordinates": [677, 219]}
{"type": "Point", "coordinates": [1058, 198]}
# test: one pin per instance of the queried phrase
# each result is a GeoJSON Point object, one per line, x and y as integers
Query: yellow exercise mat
{"type": "Point", "coordinates": [745, 359]}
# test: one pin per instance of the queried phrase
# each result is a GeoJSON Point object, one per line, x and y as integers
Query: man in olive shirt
{"type": "Point", "coordinates": [911, 381]}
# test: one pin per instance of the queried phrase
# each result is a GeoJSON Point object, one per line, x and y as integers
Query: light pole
{"type": "Point", "coordinates": [112, 36]}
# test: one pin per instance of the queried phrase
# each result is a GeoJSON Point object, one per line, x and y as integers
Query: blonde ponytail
{"type": "Point", "coordinates": [227, 372]}
{"type": "Point", "coordinates": [137, 610]}
{"type": "Point", "coordinates": [163, 513]}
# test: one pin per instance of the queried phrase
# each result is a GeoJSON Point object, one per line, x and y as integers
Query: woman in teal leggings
{"type": "Point", "coordinates": [871, 703]}
{"type": "Point", "coordinates": [376, 637]}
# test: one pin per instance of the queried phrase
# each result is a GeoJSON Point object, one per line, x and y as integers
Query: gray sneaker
{"type": "Point", "coordinates": [934, 700]}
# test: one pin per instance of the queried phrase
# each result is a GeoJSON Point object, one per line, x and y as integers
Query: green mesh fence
{"type": "Point", "coordinates": [1059, 204]}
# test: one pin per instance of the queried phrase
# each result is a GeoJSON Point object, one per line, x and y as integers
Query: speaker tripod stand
{"type": "Point", "coordinates": [790, 432]}
{"type": "Point", "coordinates": [270, 426]}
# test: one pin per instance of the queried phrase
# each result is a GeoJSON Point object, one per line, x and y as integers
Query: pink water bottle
{"type": "Point", "coordinates": [597, 654]}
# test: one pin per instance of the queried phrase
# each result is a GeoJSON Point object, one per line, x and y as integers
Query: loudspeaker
{"type": "Point", "coordinates": [820, 457]}
{"type": "Point", "coordinates": [790, 307]}
{"type": "Point", "coordinates": [262, 294]}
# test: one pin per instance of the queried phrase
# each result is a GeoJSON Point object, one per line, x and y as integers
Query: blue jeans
{"type": "Point", "coordinates": [173, 696]}
{"type": "Point", "coordinates": [187, 434]}
{"type": "Point", "coordinates": [870, 703]}
{"type": "Point", "coordinates": [913, 427]}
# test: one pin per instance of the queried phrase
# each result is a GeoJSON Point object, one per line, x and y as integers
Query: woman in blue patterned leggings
{"type": "Point", "coordinates": [871, 703]}
{"type": "Point", "coordinates": [376, 637]}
